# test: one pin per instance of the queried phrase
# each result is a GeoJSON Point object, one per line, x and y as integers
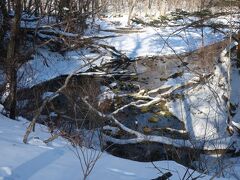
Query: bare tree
{"type": "Point", "coordinates": [11, 60]}
{"type": "Point", "coordinates": [238, 48]}
{"type": "Point", "coordinates": [131, 5]}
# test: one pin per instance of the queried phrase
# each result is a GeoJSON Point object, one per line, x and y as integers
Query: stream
{"type": "Point", "coordinates": [68, 113]}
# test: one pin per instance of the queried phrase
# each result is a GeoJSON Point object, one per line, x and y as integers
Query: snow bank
{"type": "Point", "coordinates": [204, 108]}
{"type": "Point", "coordinates": [47, 65]}
{"type": "Point", "coordinates": [156, 41]}
{"type": "Point", "coordinates": [37, 160]}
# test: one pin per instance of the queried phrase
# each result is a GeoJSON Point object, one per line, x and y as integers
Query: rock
{"type": "Point", "coordinates": [153, 119]}
{"type": "Point", "coordinates": [144, 109]}
{"type": "Point", "coordinates": [161, 113]}
{"type": "Point", "coordinates": [147, 130]}
{"type": "Point", "coordinates": [177, 74]}
{"type": "Point", "coordinates": [164, 176]}
{"type": "Point", "coordinates": [163, 79]}
{"type": "Point", "coordinates": [113, 85]}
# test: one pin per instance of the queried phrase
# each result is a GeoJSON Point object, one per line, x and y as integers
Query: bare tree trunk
{"type": "Point", "coordinates": [238, 49]}
{"type": "Point", "coordinates": [38, 8]}
{"type": "Point", "coordinates": [63, 6]}
{"type": "Point", "coordinates": [93, 11]}
{"type": "Point", "coordinates": [9, 5]}
{"type": "Point", "coordinates": [131, 5]}
{"type": "Point", "coordinates": [147, 7]}
{"type": "Point", "coordinates": [163, 7]}
{"type": "Point", "coordinates": [12, 79]}
{"type": "Point", "coordinates": [10, 62]}
{"type": "Point", "coordinates": [3, 24]}
{"type": "Point", "coordinates": [24, 5]}
{"type": "Point", "coordinates": [29, 5]}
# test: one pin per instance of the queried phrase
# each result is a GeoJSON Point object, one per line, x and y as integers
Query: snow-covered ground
{"type": "Point", "coordinates": [157, 41]}
{"type": "Point", "coordinates": [36, 160]}
{"type": "Point", "coordinates": [146, 41]}
{"type": "Point", "coordinates": [48, 65]}
{"type": "Point", "coordinates": [151, 41]}
{"type": "Point", "coordinates": [204, 108]}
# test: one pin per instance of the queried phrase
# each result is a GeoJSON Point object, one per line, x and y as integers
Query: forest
{"type": "Point", "coordinates": [119, 89]}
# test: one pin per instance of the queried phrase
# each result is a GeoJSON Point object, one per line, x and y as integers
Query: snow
{"type": "Point", "coordinates": [157, 41]}
{"type": "Point", "coordinates": [47, 65]}
{"type": "Point", "coordinates": [47, 95]}
{"type": "Point", "coordinates": [186, 77]}
{"type": "Point", "coordinates": [204, 109]}
{"type": "Point", "coordinates": [37, 160]}
{"type": "Point", "coordinates": [106, 94]}
{"type": "Point", "coordinates": [152, 41]}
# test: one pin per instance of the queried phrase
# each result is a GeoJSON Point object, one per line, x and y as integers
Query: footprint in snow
{"type": "Point", "coordinates": [122, 172]}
